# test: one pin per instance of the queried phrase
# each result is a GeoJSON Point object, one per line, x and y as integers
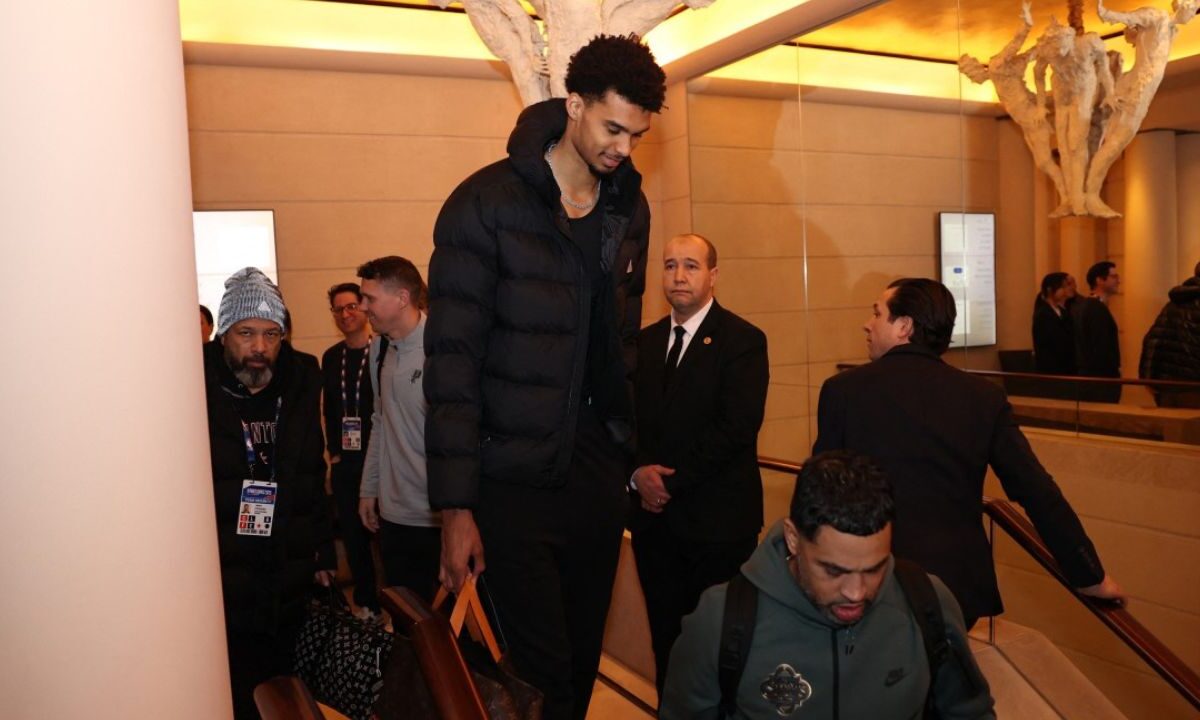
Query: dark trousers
{"type": "Point", "coordinates": [673, 572]}
{"type": "Point", "coordinates": [255, 658]}
{"type": "Point", "coordinates": [411, 556]}
{"type": "Point", "coordinates": [551, 557]}
{"type": "Point", "coordinates": [346, 476]}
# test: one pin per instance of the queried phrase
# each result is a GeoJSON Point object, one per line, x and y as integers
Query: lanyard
{"type": "Point", "coordinates": [251, 456]}
{"type": "Point", "coordinates": [357, 380]}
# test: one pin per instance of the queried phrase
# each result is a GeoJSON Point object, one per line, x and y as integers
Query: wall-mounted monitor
{"type": "Point", "coordinates": [968, 263]}
{"type": "Point", "coordinates": [227, 241]}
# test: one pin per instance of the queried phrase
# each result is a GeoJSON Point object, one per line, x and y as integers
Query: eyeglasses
{"type": "Point", "coordinates": [349, 307]}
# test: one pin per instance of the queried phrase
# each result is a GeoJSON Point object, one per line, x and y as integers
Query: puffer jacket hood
{"type": "Point", "coordinates": [1171, 348]}
{"type": "Point", "coordinates": [1186, 292]}
{"type": "Point", "coordinates": [537, 127]}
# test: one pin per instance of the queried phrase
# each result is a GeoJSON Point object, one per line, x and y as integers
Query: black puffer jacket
{"type": "Point", "coordinates": [510, 314]}
{"type": "Point", "coordinates": [265, 580]}
{"type": "Point", "coordinates": [1171, 349]}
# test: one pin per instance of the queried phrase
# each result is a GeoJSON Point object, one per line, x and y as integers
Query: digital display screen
{"type": "Point", "coordinates": [968, 263]}
{"type": "Point", "coordinates": [227, 241]}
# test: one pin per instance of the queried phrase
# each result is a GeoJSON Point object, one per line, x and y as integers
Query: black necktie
{"type": "Point", "coordinates": [673, 357]}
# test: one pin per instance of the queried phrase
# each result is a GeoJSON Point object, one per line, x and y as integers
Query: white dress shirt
{"type": "Point", "coordinates": [689, 330]}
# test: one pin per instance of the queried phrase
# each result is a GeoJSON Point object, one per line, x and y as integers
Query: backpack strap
{"type": "Point", "coordinates": [384, 344]}
{"type": "Point", "coordinates": [927, 611]}
{"type": "Point", "coordinates": [737, 634]}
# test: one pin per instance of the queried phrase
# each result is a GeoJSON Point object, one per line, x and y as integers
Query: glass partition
{"type": "Point", "coordinates": [825, 167]}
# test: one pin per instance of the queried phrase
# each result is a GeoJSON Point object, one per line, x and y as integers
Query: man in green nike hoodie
{"type": "Point", "coordinates": [834, 635]}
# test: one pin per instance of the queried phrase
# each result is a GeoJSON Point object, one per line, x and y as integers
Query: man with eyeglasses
{"type": "Point", "coordinates": [349, 402]}
{"type": "Point", "coordinates": [273, 529]}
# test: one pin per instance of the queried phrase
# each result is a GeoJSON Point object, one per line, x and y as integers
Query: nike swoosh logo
{"type": "Point", "coordinates": [894, 677]}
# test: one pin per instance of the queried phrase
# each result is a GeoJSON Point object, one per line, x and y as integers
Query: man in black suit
{"type": "Point", "coordinates": [700, 388]}
{"type": "Point", "coordinates": [1097, 344]}
{"type": "Point", "coordinates": [935, 429]}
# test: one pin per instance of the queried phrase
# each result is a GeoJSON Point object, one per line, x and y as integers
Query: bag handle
{"type": "Point", "coordinates": [468, 610]}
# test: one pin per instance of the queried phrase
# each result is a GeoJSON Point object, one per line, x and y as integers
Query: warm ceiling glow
{"type": "Point", "coordinates": [856, 71]}
{"type": "Point", "coordinates": [331, 26]}
{"type": "Point", "coordinates": [694, 30]}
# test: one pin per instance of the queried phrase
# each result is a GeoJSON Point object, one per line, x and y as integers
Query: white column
{"type": "Point", "coordinates": [111, 605]}
{"type": "Point", "coordinates": [1187, 154]}
{"type": "Point", "coordinates": [1150, 245]}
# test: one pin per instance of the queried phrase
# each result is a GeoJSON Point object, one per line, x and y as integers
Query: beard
{"type": "Point", "coordinates": [252, 377]}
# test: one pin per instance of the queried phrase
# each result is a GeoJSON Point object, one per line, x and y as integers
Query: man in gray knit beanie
{"type": "Point", "coordinates": [249, 293]}
{"type": "Point", "coordinates": [268, 467]}
{"type": "Point", "coordinates": [250, 324]}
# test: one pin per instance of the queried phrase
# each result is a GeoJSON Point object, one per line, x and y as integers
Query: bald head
{"type": "Point", "coordinates": [689, 274]}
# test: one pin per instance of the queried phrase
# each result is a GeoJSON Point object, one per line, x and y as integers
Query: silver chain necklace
{"type": "Point", "coordinates": [562, 195]}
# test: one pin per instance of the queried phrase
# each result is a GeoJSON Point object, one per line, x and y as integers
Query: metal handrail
{"type": "Point", "coordinates": [1117, 619]}
{"type": "Point", "coordinates": [1086, 379]}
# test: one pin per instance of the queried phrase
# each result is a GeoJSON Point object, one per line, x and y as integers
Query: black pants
{"type": "Point", "coordinates": [346, 477]}
{"type": "Point", "coordinates": [411, 556]}
{"type": "Point", "coordinates": [255, 658]}
{"type": "Point", "coordinates": [674, 572]}
{"type": "Point", "coordinates": [551, 557]}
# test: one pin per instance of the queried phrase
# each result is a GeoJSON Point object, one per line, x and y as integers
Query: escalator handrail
{"type": "Point", "coordinates": [1080, 379]}
{"type": "Point", "coordinates": [1118, 620]}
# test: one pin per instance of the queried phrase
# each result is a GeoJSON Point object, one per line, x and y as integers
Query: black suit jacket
{"type": "Point", "coordinates": [705, 425]}
{"type": "Point", "coordinates": [935, 429]}
{"type": "Point", "coordinates": [1097, 344]}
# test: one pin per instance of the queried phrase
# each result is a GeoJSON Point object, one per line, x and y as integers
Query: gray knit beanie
{"type": "Point", "coordinates": [250, 294]}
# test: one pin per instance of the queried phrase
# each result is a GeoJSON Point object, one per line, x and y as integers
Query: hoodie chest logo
{"type": "Point", "coordinates": [786, 689]}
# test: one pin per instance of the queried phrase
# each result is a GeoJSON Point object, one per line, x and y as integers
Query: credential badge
{"type": "Point", "coordinates": [786, 690]}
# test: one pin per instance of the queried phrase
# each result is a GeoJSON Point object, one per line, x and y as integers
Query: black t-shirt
{"type": "Point", "coordinates": [359, 377]}
{"type": "Point", "coordinates": [259, 415]}
{"type": "Point", "coordinates": [586, 233]}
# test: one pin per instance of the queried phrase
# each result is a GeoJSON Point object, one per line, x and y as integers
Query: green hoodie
{"type": "Point", "coordinates": [812, 667]}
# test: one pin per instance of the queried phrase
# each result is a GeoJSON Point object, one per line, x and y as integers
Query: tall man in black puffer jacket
{"type": "Point", "coordinates": [273, 527]}
{"type": "Point", "coordinates": [1171, 349]}
{"type": "Point", "coordinates": [535, 303]}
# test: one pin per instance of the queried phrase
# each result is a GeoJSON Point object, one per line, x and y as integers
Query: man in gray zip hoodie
{"type": "Point", "coordinates": [393, 497]}
{"type": "Point", "coordinates": [834, 633]}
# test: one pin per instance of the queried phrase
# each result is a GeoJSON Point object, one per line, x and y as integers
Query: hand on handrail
{"type": "Point", "coordinates": [1106, 589]}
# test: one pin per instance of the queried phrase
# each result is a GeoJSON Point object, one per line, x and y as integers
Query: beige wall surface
{"type": "Point", "coordinates": [355, 166]}
{"type": "Point", "coordinates": [814, 208]}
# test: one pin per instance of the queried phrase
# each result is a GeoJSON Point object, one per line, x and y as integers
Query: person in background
{"type": "Point", "coordinates": [268, 461]}
{"type": "Point", "coordinates": [206, 324]}
{"type": "Point", "coordinates": [349, 402]}
{"type": "Point", "coordinates": [1053, 341]}
{"type": "Point", "coordinates": [1171, 348]}
{"type": "Point", "coordinates": [935, 430]}
{"type": "Point", "coordinates": [700, 392]}
{"type": "Point", "coordinates": [394, 496]}
{"type": "Point", "coordinates": [1097, 344]}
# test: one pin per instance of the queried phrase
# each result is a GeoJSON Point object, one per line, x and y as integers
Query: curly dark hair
{"type": "Point", "coordinates": [621, 63]}
{"type": "Point", "coordinates": [844, 490]}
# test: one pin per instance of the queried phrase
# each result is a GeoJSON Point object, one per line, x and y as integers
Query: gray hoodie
{"type": "Point", "coordinates": [812, 667]}
{"type": "Point", "coordinates": [394, 468]}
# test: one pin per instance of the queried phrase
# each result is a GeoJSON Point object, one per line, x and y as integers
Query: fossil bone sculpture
{"type": "Point", "coordinates": [538, 56]}
{"type": "Point", "coordinates": [1093, 109]}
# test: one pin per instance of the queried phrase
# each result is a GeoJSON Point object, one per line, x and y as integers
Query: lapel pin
{"type": "Point", "coordinates": [708, 341]}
